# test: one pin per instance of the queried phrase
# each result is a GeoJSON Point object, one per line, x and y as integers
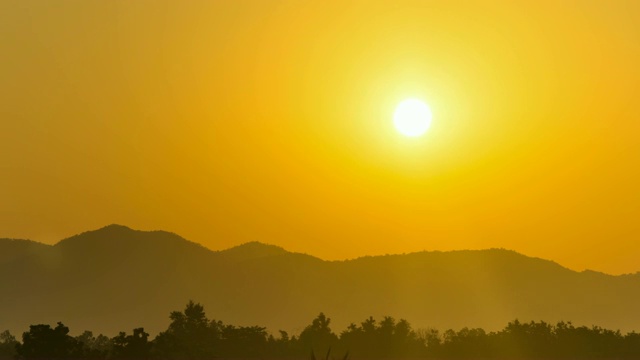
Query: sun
{"type": "Point", "coordinates": [412, 117]}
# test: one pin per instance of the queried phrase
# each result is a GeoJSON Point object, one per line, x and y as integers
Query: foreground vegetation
{"type": "Point", "coordinates": [191, 335]}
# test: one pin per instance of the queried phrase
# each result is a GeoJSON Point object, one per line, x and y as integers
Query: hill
{"type": "Point", "coordinates": [115, 278]}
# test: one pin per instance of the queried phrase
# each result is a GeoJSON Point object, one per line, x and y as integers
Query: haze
{"type": "Point", "coordinates": [271, 121]}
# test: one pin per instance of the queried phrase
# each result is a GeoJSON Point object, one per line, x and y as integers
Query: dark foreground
{"type": "Point", "coordinates": [191, 335]}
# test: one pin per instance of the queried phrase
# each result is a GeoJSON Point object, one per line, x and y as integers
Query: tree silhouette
{"type": "Point", "coordinates": [318, 336]}
{"type": "Point", "coordinates": [132, 346]}
{"type": "Point", "coordinates": [94, 347]}
{"type": "Point", "coordinates": [387, 338]}
{"type": "Point", "coordinates": [244, 341]}
{"type": "Point", "coordinates": [8, 344]}
{"type": "Point", "coordinates": [282, 346]}
{"type": "Point", "coordinates": [190, 334]}
{"type": "Point", "coordinates": [43, 342]}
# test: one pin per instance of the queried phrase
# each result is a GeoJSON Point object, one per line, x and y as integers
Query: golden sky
{"type": "Point", "coordinates": [239, 120]}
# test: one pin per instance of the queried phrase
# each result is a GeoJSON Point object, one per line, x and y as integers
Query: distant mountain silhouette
{"type": "Point", "coordinates": [116, 278]}
{"type": "Point", "coordinates": [12, 250]}
{"type": "Point", "coordinates": [253, 251]}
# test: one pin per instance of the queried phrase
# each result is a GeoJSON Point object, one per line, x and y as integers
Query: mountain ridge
{"type": "Point", "coordinates": [116, 278]}
{"type": "Point", "coordinates": [252, 246]}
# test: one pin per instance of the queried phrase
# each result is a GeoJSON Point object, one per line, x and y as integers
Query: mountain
{"type": "Point", "coordinates": [115, 278]}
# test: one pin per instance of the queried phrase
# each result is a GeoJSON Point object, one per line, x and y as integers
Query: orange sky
{"type": "Point", "coordinates": [233, 121]}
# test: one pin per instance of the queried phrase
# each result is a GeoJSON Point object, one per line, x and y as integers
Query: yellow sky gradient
{"type": "Point", "coordinates": [233, 121]}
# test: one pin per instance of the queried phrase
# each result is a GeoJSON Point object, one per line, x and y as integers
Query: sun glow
{"type": "Point", "coordinates": [412, 117]}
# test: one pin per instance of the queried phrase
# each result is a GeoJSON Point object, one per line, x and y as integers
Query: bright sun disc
{"type": "Point", "coordinates": [412, 117]}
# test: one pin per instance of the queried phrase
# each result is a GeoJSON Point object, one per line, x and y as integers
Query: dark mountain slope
{"type": "Point", "coordinates": [12, 250]}
{"type": "Point", "coordinates": [116, 278]}
{"type": "Point", "coordinates": [252, 251]}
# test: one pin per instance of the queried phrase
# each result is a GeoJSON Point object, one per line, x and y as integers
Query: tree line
{"type": "Point", "coordinates": [191, 335]}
